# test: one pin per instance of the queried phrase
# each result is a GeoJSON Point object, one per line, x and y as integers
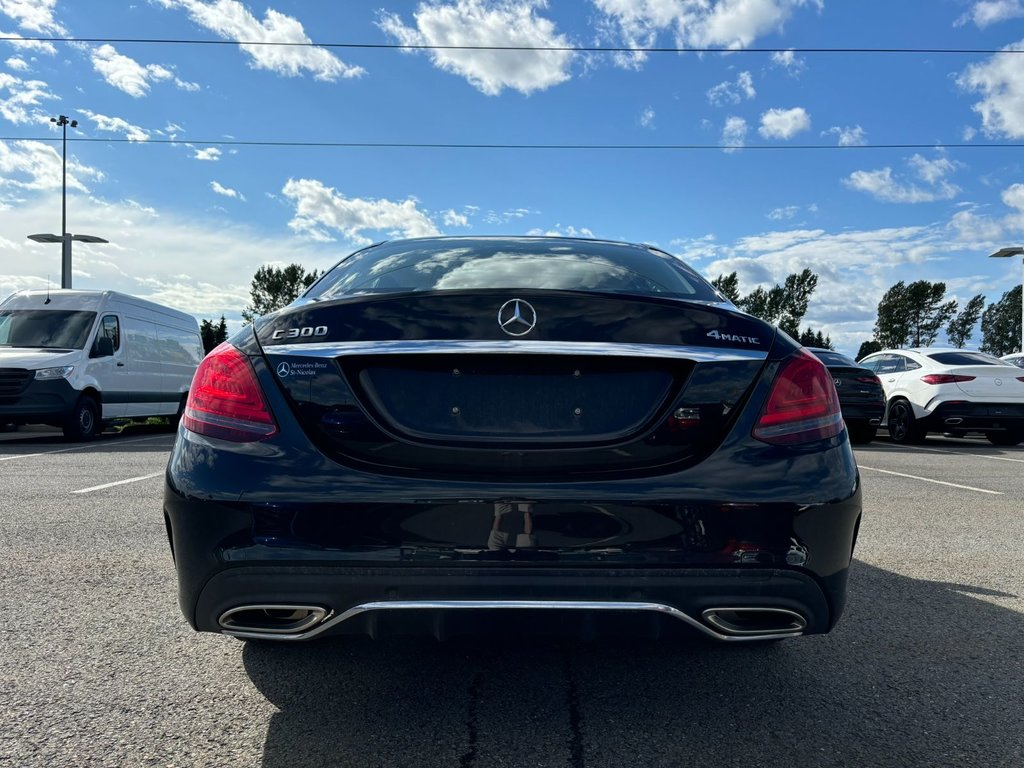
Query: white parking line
{"type": "Point", "coordinates": [119, 482]}
{"type": "Point", "coordinates": [79, 448]}
{"type": "Point", "coordinates": [929, 480]}
{"type": "Point", "coordinates": [964, 453]}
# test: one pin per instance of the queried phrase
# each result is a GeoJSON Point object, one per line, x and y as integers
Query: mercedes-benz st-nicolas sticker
{"type": "Point", "coordinates": [301, 369]}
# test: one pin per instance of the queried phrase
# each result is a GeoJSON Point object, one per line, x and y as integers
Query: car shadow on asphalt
{"type": "Point", "coordinates": [916, 673]}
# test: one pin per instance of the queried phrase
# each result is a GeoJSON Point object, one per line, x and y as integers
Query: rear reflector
{"type": "Point", "coordinates": [944, 378]}
{"type": "Point", "coordinates": [802, 405]}
{"type": "Point", "coordinates": [226, 401]}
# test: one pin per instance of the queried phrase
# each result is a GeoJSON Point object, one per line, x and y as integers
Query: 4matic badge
{"type": "Point", "coordinates": [733, 337]}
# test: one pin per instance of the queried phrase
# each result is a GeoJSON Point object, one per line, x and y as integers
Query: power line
{"type": "Point", "coordinates": [512, 48]}
{"type": "Point", "coordinates": [536, 146]}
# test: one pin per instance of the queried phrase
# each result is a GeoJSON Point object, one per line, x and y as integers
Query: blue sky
{"type": "Point", "coordinates": [190, 222]}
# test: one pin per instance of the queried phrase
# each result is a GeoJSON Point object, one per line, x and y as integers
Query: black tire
{"type": "Point", "coordinates": [1005, 438]}
{"type": "Point", "coordinates": [861, 433]}
{"type": "Point", "coordinates": [903, 426]}
{"type": "Point", "coordinates": [83, 424]}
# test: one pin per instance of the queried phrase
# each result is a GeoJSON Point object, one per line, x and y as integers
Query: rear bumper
{"type": "Point", "coordinates": [424, 600]}
{"type": "Point", "coordinates": [968, 416]}
{"type": "Point", "coordinates": [869, 412]}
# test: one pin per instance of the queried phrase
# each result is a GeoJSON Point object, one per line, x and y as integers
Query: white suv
{"type": "Point", "coordinates": [951, 391]}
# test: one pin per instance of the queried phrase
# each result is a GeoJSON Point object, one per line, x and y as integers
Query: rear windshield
{"type": "Point", "coordinates": [964, 358]}
{"type": "Point", "coordinates": [459, 264]}
{"type": "Point", "coordinates": [47, 328]}
{"type": "Point", "coordinates": [834, 358]}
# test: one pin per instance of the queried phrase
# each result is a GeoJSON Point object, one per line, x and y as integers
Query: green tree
{"type": "Point", "coordinates": [811, 338]}
{"type": "Point", "coordinates": [728, 286]}
{"type": "Point", "coordinates": [1000, 325]}
{"type": "Point", "coordinates": [868, 347]}
{"type": "Point", "coordinates": [912, 313]}
{"type": "Point", "coordinates": [276, 287]}
{"type": "Point", "coordinates": [213, 334]}
{"type": "Point", "coordinates": [782, 305]}
{"type": "Point", "coordinates": [961, 327]}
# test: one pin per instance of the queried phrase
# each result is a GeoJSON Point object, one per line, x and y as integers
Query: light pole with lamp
{"type": "Point", "coordinates": [1005, 253]}
{"type": "Point", "coordinates": [65, 238]}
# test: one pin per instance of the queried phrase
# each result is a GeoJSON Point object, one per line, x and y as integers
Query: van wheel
{"type": "Point", "coordinates": [83, 424]}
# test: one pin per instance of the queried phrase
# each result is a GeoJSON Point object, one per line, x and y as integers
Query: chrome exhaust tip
{"type": "Point", "coordinates": [952, 420]}
{"type": "Point", "coordinates": [272, 619]}
{"type": "Point", "coordinates": [748, 622]}
{"type": "Point", "coordinates": [874, 422]}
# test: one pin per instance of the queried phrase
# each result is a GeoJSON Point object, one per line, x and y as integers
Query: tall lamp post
{"type": "Point", "coordinates": [1005, 253]}
{"type": "Point", "coordinates": [65, 237]}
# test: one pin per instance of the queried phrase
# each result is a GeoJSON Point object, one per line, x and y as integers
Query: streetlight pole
{"type": "Point", "coordinates": [65, 248]}
{"type": "Point", "coordinates": [1005, 253]}
{"type": "Point", "coordinates": [65, 238]}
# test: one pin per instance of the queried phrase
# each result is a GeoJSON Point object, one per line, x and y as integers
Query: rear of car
{"type": "Point", "coordinates": [953, 391]}
{"type": "Point", "coordinates": [451, 428]}
{"type": "Point", "coordinates": [861, 397]}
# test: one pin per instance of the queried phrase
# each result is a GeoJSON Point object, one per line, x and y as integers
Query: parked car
{"type": "Point", "coordinates": [79, 359]}
{"type": "Point", "coordinates": [443, 430]}
{"type": "Point", "coordinates": [1015, 358]}
{"type": "Point", "coordinates": [860, 394]}
{"type": "Point", "coordinates": [953, 391]}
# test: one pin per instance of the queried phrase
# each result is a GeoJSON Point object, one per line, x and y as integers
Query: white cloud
{"type": "Point", "coordinates": [784, 123]}
{"type": "Point", "coordinates": [1000, 81]}
{"type": "Point", "coordinates": [227, 191]}
{"type": "Point", "coordinates": [883, 185]}
{"type": "Point", "coordinates": [200, 266]}
{"type": "Point", "coordinates": [14, 39]}
{"type": "Point", "coordinates": [849, 136]}
{"type": "Point", "coordinates": [493, 217]}
{"type": "Point", "coordinates": [209, 154]}
{"type": "Point", "coordinates": [789, 61]}
{"type": "Point", "coordinates": [647, 118]}
{"type": "Point", "coordinates": [19, 99]}
{"type": "Point", "coordinates": [730, 92]}
{"type": "Point", "coordinates": [454, 219]}
{"type": "Point", "coordinates": [320, 209]}
{"type": "Point", "coordinates": [694, 23]}
{"type": "Point", "coordinates": [488, 23]}
{"type": "Point", "coordinates": [125, 73]}
{"type": "Point", "coordinates": [33, 15]}
{"type": "Point", "coordinates": [33, 165]}
{"type": "Point", "coordinates": [116, 125]}
{"type": "Point", "coordinates": [989, 12]}
{"type": "Point", "coordinates": [734, 133]}
{"type": "Point", "coordinates": [781, 214]}
{"type": "Point", "coordinates": [232, 20]}
{"type": "Point", "coordinates": [17, 64]}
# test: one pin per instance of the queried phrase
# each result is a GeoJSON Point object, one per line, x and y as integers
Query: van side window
{"type": "Point", "coordinates": [111, 329]}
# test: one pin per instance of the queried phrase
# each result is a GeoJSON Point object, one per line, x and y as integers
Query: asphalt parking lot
{"type": "Point", "coordinates": [97, 667]}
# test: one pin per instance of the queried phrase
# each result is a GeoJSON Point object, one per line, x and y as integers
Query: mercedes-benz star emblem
{"type": "Point", "coordinates": [283, 370]}
{"type": "Point", "coordinates": [517, 317]}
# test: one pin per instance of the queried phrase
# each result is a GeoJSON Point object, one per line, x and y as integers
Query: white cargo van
{"type": "Point", "coordinates": [79, 359]}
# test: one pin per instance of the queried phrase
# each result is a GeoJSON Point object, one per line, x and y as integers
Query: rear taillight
{"type": "Point", "coordinates": [944, 378]}
{"type": "Point", "coordinates": [802, 405]}
{"type": "Point", "coordinates": [226, 401]}
{"type": "Point", "coordinates": [869, 380]}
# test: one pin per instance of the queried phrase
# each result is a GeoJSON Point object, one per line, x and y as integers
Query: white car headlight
{"type": "Point", "coordinates": [54, 373]}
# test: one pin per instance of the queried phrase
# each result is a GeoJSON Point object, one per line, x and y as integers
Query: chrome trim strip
{"type": "Point", "coordinates": [797, 622]}
{"type": "Point", "coordinates": [316, 615]}
{"type": "Point", "coordinates": [560, 605]}
{"type": "Point", "coordinates": [325, 349]}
